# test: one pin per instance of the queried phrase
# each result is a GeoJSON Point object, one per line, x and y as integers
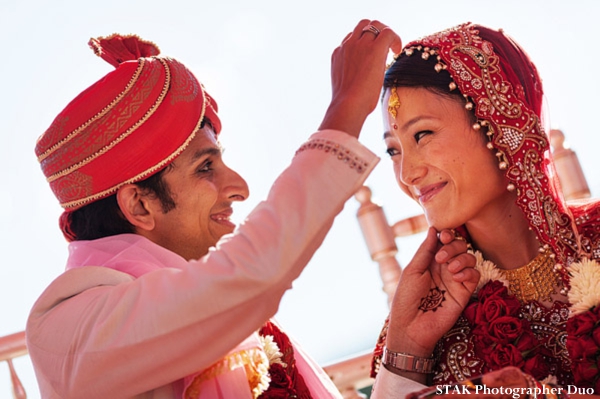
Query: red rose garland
{"type": "Point", "coordinates": [583, 343]}
{"type": "Point", "coordinates": [500, 337]}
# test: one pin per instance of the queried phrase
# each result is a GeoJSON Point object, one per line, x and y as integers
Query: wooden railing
{"type": "Point", "coordinates": [351, 374]}
{"type": "Point", "coordinates": [13, 346]}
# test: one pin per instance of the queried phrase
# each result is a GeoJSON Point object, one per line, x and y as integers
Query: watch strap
{"type": "Point", "coordinates": [397, 361]}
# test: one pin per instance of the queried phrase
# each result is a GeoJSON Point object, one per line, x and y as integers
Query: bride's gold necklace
{"type": "Point", "coordinates": [536, 281]}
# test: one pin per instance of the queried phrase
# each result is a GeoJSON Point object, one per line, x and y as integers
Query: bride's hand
{"type": "Point", "coordinates": [434, 289]}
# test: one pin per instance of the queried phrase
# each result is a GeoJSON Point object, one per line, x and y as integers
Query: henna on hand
{"type": "Point", "coordinates": [433, 300]}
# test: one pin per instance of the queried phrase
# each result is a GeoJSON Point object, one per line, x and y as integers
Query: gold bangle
{"type": "Point", "coordinates": [398, 362]}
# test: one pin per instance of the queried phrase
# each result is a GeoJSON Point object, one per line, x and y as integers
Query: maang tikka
{"type": "Point", "coordinates": [393, 103]}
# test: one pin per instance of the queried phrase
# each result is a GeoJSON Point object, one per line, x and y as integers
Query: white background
{"type": "Point", "coordinates": [267, 64]}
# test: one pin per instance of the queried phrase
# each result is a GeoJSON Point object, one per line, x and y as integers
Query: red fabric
{"type": "Point", "coordinates": [127, 126]}
{"type": "Point", "coordinates": [498, 77]}
{"type": "Point", "coordinates": [116, 49]}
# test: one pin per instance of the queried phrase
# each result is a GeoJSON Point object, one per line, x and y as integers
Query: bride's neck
{"type": "Point", "coordinates": [504, 238]}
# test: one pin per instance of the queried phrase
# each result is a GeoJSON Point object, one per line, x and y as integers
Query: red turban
{"type": "Point", "coordinates": [127, 126]}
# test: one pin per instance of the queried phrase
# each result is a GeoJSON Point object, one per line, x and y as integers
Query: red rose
{"type": "Point", "coordinates": [527, 340]}
{"type": "Point", "coordinates": [480, 330]}
{"type": "Point", "coordinates": [276, 393]}
{"type": "Point", "coordinates": [484, 343]}
{"type": "Point", "coordinates": [278, 376]}
{"type": "Point", "coordinates": [584, 373]}
{"type": "Point", "coordinates": [505, 329]}
{"type": "Point", "coordinates": [495, 302]}
{"type": "Point", "coordinates": [505, 355]}
{"type": "Point", "coordinates": [581, 324]}
{"type": "Point", "coordinates": [492, 289]}
{"type": "Point", "coordinates": [582, 347]}
{"type": "Point", "coordinates": [470, 312]}
{"type": "Point", "coordinates": [280, 385]}
{"type": "Point", "coordinates": [537, 367]}
{"type": "Point", "coordinates": [513, 306]}
{"type": "Point", "coordinates": [596, 335]}
{"type": "Point", "coordinates": [489, 310]}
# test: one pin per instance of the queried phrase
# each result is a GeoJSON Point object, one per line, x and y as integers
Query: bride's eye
{"type": "Point", "coordinates": [419, 135]}
{"type": "Point", "coordinates": [391, 151]}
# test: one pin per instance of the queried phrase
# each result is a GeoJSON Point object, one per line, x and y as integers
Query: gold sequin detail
{"type": "Point", "coordinates": [393, 102]}
{"type": "Point", "coordinates": [536, 281]}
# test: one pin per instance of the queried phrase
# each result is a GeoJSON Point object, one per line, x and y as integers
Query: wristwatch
{"type": "Point", "coordinates": [395, 362]}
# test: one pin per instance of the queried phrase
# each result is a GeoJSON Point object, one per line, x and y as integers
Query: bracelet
{"type": "Point", "coordinates": [397, 362]}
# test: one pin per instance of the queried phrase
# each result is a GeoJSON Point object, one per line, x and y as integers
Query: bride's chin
{"type": "Point", "coordinates": [440, 225]}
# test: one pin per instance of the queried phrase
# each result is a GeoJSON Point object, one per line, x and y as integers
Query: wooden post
{"type": "Point", "coordinates": [568, 168]}
{"type": "Point", "coordinates": [380, 240]}
{"type": "Point", "coordinates": [12, 346]}
{"type": "Point", "coordinates": [18, 390]}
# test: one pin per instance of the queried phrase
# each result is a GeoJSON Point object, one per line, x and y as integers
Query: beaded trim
{"type": "Point", "coordinates": [125, 134]}
{"type": "Point", "coordinates": [147, 172]}
{"type": "Point", "coordinates": [333, 148]}
{"type": "Point", "coordinates": [99, 115]}
{"type": "Point", "coordinates": [460, 360]}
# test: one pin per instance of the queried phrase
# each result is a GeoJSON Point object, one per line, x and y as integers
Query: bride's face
{"type": "Point", "coordinates": [441, 161]}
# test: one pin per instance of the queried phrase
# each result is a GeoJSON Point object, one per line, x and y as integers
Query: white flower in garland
{"type": "Point", "coordinates": [487, 272]}
{"type": "Point", "coordinates": [585, 286]}
{"type": "Point", "coordinates": [258, 377]}
{"type": "Point", "coordinates": [271, 350]}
